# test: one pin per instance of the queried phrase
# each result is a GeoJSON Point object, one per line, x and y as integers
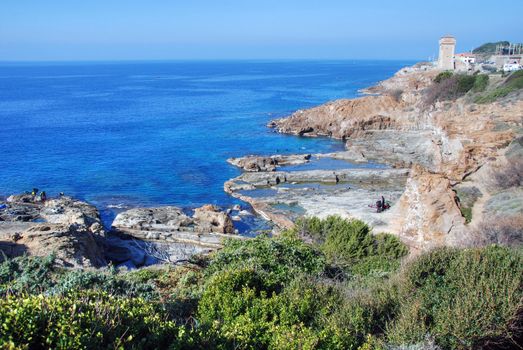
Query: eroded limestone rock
{"type": "Point", "coordinates": [209, 218]}
{"type": "Point", "coordinates": [259, 163]}
{"type": "Point", "coordinates": [72, 230]}
{"type": "Point", "coordinates": [429, 215]}
{"type": "Point", "coordinates": [206, 228]}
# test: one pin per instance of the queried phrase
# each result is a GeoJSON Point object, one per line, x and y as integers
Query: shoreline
{"type": "Point", "coordinates": [429, 159]}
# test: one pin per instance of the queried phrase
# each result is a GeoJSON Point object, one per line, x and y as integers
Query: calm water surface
{"type": "Point", "coordinates": [156, 133]}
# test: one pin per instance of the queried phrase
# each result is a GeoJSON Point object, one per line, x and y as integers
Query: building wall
{"type": "Point", "coordinates": [447, 46]}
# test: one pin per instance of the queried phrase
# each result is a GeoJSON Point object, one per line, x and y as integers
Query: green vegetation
{"type": "Point", "coordinates": [464, 299]}
{"type": "Point", "coordinates": [480, 83]}
{"type": "Point", "coordinates": [489, 48]}
{"type": "Point", "coordinates": [37, 275]}
{"type": "Point", "coordinates": [349, 244]}
{"type": "Point", "coordinates": [443, 76]}
{"type": "Point", "coordinates": [466, 212]}
{"type": "Point", "coordinates": [513, 83]}
{"type": "Point", "coordinates": [89, 320]}
{"type": "Point", "coordinates": [343, 290]}
{"type": "Point", "coordinates": [449, 86]}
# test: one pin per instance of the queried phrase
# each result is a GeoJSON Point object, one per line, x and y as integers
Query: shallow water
{"type": "Point", "coordinates": [155, 133]}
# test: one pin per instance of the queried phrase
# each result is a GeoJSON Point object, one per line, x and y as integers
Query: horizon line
{"type": "Point", "coordinates": [132, 60]}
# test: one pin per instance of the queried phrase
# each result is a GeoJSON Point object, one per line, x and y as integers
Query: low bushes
{"type": "Point", "coordinates": [480, 83]}
{"type": "Point", "coordinates": [239, 310]}
{"type": "Point", "coordinates": [350, 244]}
{"type": "Point", "coordinates": [277, 293]}
{"type": "Point", "coordinates": [449, 86]}
{"type": "Point", "coordinates": [85, 321]}
{"type": "Point", "coordinates": [463, 298]}
{"type": "Point", "coordinates": [39, 275]}
{"type": "Point", "coordinates": [280, 260]}
{"type": "Point", "coordinates": [513, 83]}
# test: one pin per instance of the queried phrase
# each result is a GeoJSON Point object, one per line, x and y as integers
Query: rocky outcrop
{"type": "Point", "coordinates": [71, 230]}
{"type": "Point", "coordinates": [68, 211]}
{"type": "Point", "coordinates": [447, 143]}
{"type": "Point", "coordinates": [153, 219]}
{"type": "Point", "coordinates": [73, 246]}
{"type": "Point", "coordinates": [341, 119]}
{"type": "Point", "coordinates": [428, 212]}
{"type": "Point", "coordinates": [210, 218]}
{"type": "Point", "coordinates": [207, 227]}
{"type": "Point", "coordinates": [258, 163]}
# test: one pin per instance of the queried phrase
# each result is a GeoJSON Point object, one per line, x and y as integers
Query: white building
{"type": "Point", "coordinates": [466, 57]}
{"type": "Point", "coordinates": [511, 67]}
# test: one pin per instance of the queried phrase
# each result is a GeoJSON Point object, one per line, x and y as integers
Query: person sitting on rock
{"type": "Point", "coordinates": [379, 208]}
{"type": "Point", "coordinates": [384, 204]}
{"type": "Point", "coordinates": [43, 196]}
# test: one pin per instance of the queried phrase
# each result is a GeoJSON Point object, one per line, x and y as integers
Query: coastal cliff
{"type": "Point", "coordinates": [451, 144]}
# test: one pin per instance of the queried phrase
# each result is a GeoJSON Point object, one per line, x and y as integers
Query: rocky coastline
{"type": "Point", "coordinates": [436, 160]}
{"type": "Point", "coordinates": [73, 230]}
{"type": "Point", "coordinates": [452, 148]}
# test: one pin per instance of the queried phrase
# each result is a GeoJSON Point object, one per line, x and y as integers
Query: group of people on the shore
{"type": "Point", "coordinates": [38, 196]}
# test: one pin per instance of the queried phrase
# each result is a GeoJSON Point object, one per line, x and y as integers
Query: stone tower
{"type": "Point", "coordinates": [447, 44]}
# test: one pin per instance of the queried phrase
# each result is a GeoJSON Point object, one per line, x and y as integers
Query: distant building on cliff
{"type": "Point", "coordinates": [466, 57]}
{"type": "Point", "coordinates": [464, 61]}
{"type": "Point", "coordinates": [447, 45]}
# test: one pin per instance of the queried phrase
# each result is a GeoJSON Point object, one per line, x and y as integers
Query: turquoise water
{"type": "Point", "coordinates": [156, 133]}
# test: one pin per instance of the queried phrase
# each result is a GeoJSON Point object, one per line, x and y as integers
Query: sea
{"type": "Point", "coordinates": [126, 134]}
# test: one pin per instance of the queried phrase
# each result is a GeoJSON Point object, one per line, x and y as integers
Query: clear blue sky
{"type": "Point", "coordinates": [222, 29]}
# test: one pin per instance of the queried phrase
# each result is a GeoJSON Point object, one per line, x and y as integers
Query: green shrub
{"type": "Point", "coordinates": [480, 83]}
{"type": "Point", "coordinates": [465, 83]}
{"type": "Point", "coordinates": [28, 274]}
{"type": "Point", "coordinates": [466, 212]}
{"type": "Point", "coordinates": [463, 298]}
{"type": "Point", "coordinates": [515, 80]}
{"type": "Point", "coordinates": [40, 275]}
{"type": "Point", "coordinates": [280, 259]}
{"type": "Point", "coordinates": [85, 321]}
{"type": "Point", "coordinates": [112, 283]}
{"type": "Point", "coordinates": [349, 243]}
{"type": "Point", "coordinates": [239, 309]}
{"type": "Point", "coordinates": [273, 293]}
{"type": "Point", "coordinates": [443, 76]}
{"type": "Point", "coordinates": [448, 86]}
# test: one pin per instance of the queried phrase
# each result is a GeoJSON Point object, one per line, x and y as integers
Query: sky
{"type": "Point", "coordinates": [41, 30]}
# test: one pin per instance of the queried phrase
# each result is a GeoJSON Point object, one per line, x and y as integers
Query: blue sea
{"type": "Point", "coordinates": [123, 134]}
